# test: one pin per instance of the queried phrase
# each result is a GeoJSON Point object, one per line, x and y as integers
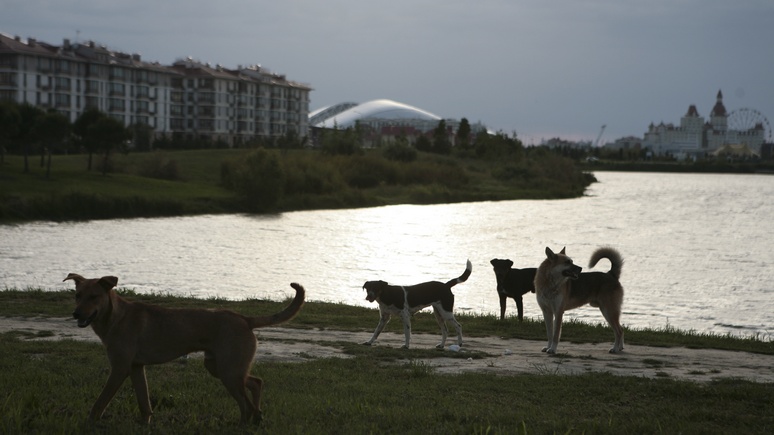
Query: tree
{"type": "Point", "coordinates": [81, 126]}
{"type": "Point", "coordinates": [142, 136]}
{"type": "Point", "coordinates": [51, 130]}
{"type": "Point", "coordinates": [463, 134]}
{"type": "Point", "coordinates": [29, 115]}
{"type": "Point", "coordinates": [340, 142]}
{"type": "Point", "coordinates": [9, 126]}
{"type": "Point", "coordinates": [108, 133]}
{"type": "Point", "coordinates": [441, 143]}
{"type": "Point", "coordinates": [258, 177]}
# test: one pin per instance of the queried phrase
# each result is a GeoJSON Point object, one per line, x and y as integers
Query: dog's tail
{"type": "Point", "coordinates": [616, 261]}
{"type": "Point", "coordinates": [283, 316]}
{"type": "Point", "coordinates": [463, 277]}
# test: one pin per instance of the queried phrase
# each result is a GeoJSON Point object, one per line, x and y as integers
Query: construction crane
{"type": "Point", "coordinates": [601, 130]}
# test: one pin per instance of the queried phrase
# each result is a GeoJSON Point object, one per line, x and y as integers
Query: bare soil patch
{"type": "Point", "coordinates": [504, 356]}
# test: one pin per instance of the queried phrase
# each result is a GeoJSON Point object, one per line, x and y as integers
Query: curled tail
{"type": "Point", "coordinates": [616, 261]}
{"type": "Point", "coordinates": [283, 316]}
{"type": "Point", "coordinates": [463, 277]}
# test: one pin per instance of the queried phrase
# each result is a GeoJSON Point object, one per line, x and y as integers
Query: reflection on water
{"type": "Point", "coordinates": [694, 247]}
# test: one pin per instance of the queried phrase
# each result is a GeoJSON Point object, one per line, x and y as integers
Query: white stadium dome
{"type": "Point", "coordinates": [346, 115]}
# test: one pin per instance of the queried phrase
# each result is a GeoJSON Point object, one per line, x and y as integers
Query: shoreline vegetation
{"type": "Point", "coordinates": [49, 386]}
{"type": "Point", "coordinates": [260, 180]}
{"type": "Point", "coordinates": [270, 180]}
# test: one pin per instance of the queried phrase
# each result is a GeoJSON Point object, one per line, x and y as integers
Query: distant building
{"type": "Point", "coordinates": [187, 100]}
{"type": "Point", "coordinates": [384, 120]}
{"type": "Point", "coordinates": [695, 137]}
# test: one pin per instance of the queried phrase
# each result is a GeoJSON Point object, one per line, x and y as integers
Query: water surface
{"type": "Point", "coordinates": [695, 248]}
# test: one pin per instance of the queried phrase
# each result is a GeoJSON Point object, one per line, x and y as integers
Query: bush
{"type": "Point", "coordinates": [160, 167]}
{"type": "Point", "coordinates": [400, 152]}
{"type": "Point", "coordinates": [258, 178]}
{"type": "Point", "coordinates": [364, 172]}
{"type": "Point", "coordinates": [307, 174]}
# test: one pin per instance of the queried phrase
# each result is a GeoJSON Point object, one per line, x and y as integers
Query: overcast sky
{"type": "Point", "coordinates": [539, 68]}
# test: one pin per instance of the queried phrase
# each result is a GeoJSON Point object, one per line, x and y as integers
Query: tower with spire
{"type": "Point", "coordinates": [719, 116]}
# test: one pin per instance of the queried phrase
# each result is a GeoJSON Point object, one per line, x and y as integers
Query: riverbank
{"type": "Point", "coordinates": [182, 183]}
{"type": "Point", "coordinates": [319, 379]}
{"type": "Point", "coordinates": [487, 354]}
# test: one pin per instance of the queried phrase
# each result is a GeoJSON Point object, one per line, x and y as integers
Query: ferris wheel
{"type": "Point", "coordinates": [745, 119]}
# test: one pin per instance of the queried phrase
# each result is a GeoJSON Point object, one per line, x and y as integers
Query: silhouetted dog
{"type": "Point", "coordinates": [513, 283]}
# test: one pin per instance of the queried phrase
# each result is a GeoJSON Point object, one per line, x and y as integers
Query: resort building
{"type": "Point", "coordinates": [186, 100]}
{"type": "Point", "coordinates": [695, 137]}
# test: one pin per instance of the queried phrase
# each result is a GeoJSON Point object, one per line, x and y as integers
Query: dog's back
{"type": "Point", "coordinates": [593, 286]}
{"type": "Point", "coordinates": [520, 280]}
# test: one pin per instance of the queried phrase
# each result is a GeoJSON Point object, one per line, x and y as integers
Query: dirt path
{"type": "Point", "coordinates": [511, 356]}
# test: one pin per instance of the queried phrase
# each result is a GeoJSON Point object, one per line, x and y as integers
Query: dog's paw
{"type": "Point", "coordinates": [551, 351]}
{"type": "Point", "coordinates": [545, 349]}
{"type": "Point", "coordinates": [366, 343]}
{"type": "Point", "coordinates": [405, 346]}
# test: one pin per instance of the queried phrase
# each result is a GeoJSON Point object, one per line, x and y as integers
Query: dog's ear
{"type": "Point", "coordinates": [562, 251]}
{"type": "Point", "coordinates": [108, 282]}
{"type": "Point", "coordinates": [509, 263]}
{"type": "Point", "coordinates": [550, 254]}
{"type": "Point", "coordinates": [75, 277]}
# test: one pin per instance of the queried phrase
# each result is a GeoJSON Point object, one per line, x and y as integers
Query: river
{"type": "Point", "coordinates": [696, 250]}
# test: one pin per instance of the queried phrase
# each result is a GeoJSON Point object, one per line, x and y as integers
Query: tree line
{"type": "Point", "coordinates": [28, 130]}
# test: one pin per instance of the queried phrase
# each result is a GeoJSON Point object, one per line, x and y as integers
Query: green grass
{"type": "Point", "coordinates": [143, 185]}
{"type": "Point", "coordinates": [326, 315]}
{"type": "Point", "coordinates": [49, 386]}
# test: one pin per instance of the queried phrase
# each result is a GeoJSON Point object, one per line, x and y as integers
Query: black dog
{"type": "Point", "coordinates": [513, 283]}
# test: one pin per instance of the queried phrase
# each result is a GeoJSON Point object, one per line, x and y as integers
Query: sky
{"type": "Point", "coordinates": [535, 68]}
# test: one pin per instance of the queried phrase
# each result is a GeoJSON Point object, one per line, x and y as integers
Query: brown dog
{"type": "Point", "coordinates": [406, 301]}
{"type": "Point", "coordinates": [560, 286]}
{"type": "Point", "coordinates": [136, 334]}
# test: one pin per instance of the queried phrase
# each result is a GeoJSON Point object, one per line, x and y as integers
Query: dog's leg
{"type": "Point", "coordinates": [458, 327]}
{"type": "Point", "coordinates": [557, 331]}
{"type": "Point", "coordinates": [520, 307]}
{"type": "Point", "coordinates": [235, 385]}
{"type": "Point", "coordinates": [406, 316]}
{"type": "Point", "coordinates": [441, 324]}
{"type": "Point", "coordinates": [140, 384]}
{"type": "Point", "coordinates": [384, 318]}
{"type": "Point", "coordinates": [255, 385]}
{"type": "Point", "coordinates": [548, 319]}
{"type": "Point", "coordinates": [503, 300]}
{"type": "Point", "coordinates": [115, 379]}
{"type": "Point", "coordinates": [613, 319]}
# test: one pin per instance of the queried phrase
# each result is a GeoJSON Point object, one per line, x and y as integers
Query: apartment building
{"type": "Point", "coordinates": [186, 100]}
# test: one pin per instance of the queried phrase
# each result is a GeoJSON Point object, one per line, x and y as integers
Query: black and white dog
{"type": "Point", "coordinates": [407, 300]}
{"type": "Point", "coordinates": [513, 283]}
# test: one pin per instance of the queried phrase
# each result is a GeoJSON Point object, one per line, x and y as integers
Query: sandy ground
{"type": "Point", "coordinates": [505, 357]}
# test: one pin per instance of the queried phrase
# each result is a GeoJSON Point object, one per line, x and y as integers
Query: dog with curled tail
{"type": "Point", "coordinates": [560, 286]}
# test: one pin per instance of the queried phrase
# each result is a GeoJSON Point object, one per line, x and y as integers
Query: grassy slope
{"type": "Point", "coordinates": [130, 191]}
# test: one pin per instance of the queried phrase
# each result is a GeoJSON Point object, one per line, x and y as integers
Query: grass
{"type": "Point", "coordinates": [177, 183]}
{"type": "Point", "coordinates": [325, 315]}
{"type": "Point", "coordinates": [48, 387]}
